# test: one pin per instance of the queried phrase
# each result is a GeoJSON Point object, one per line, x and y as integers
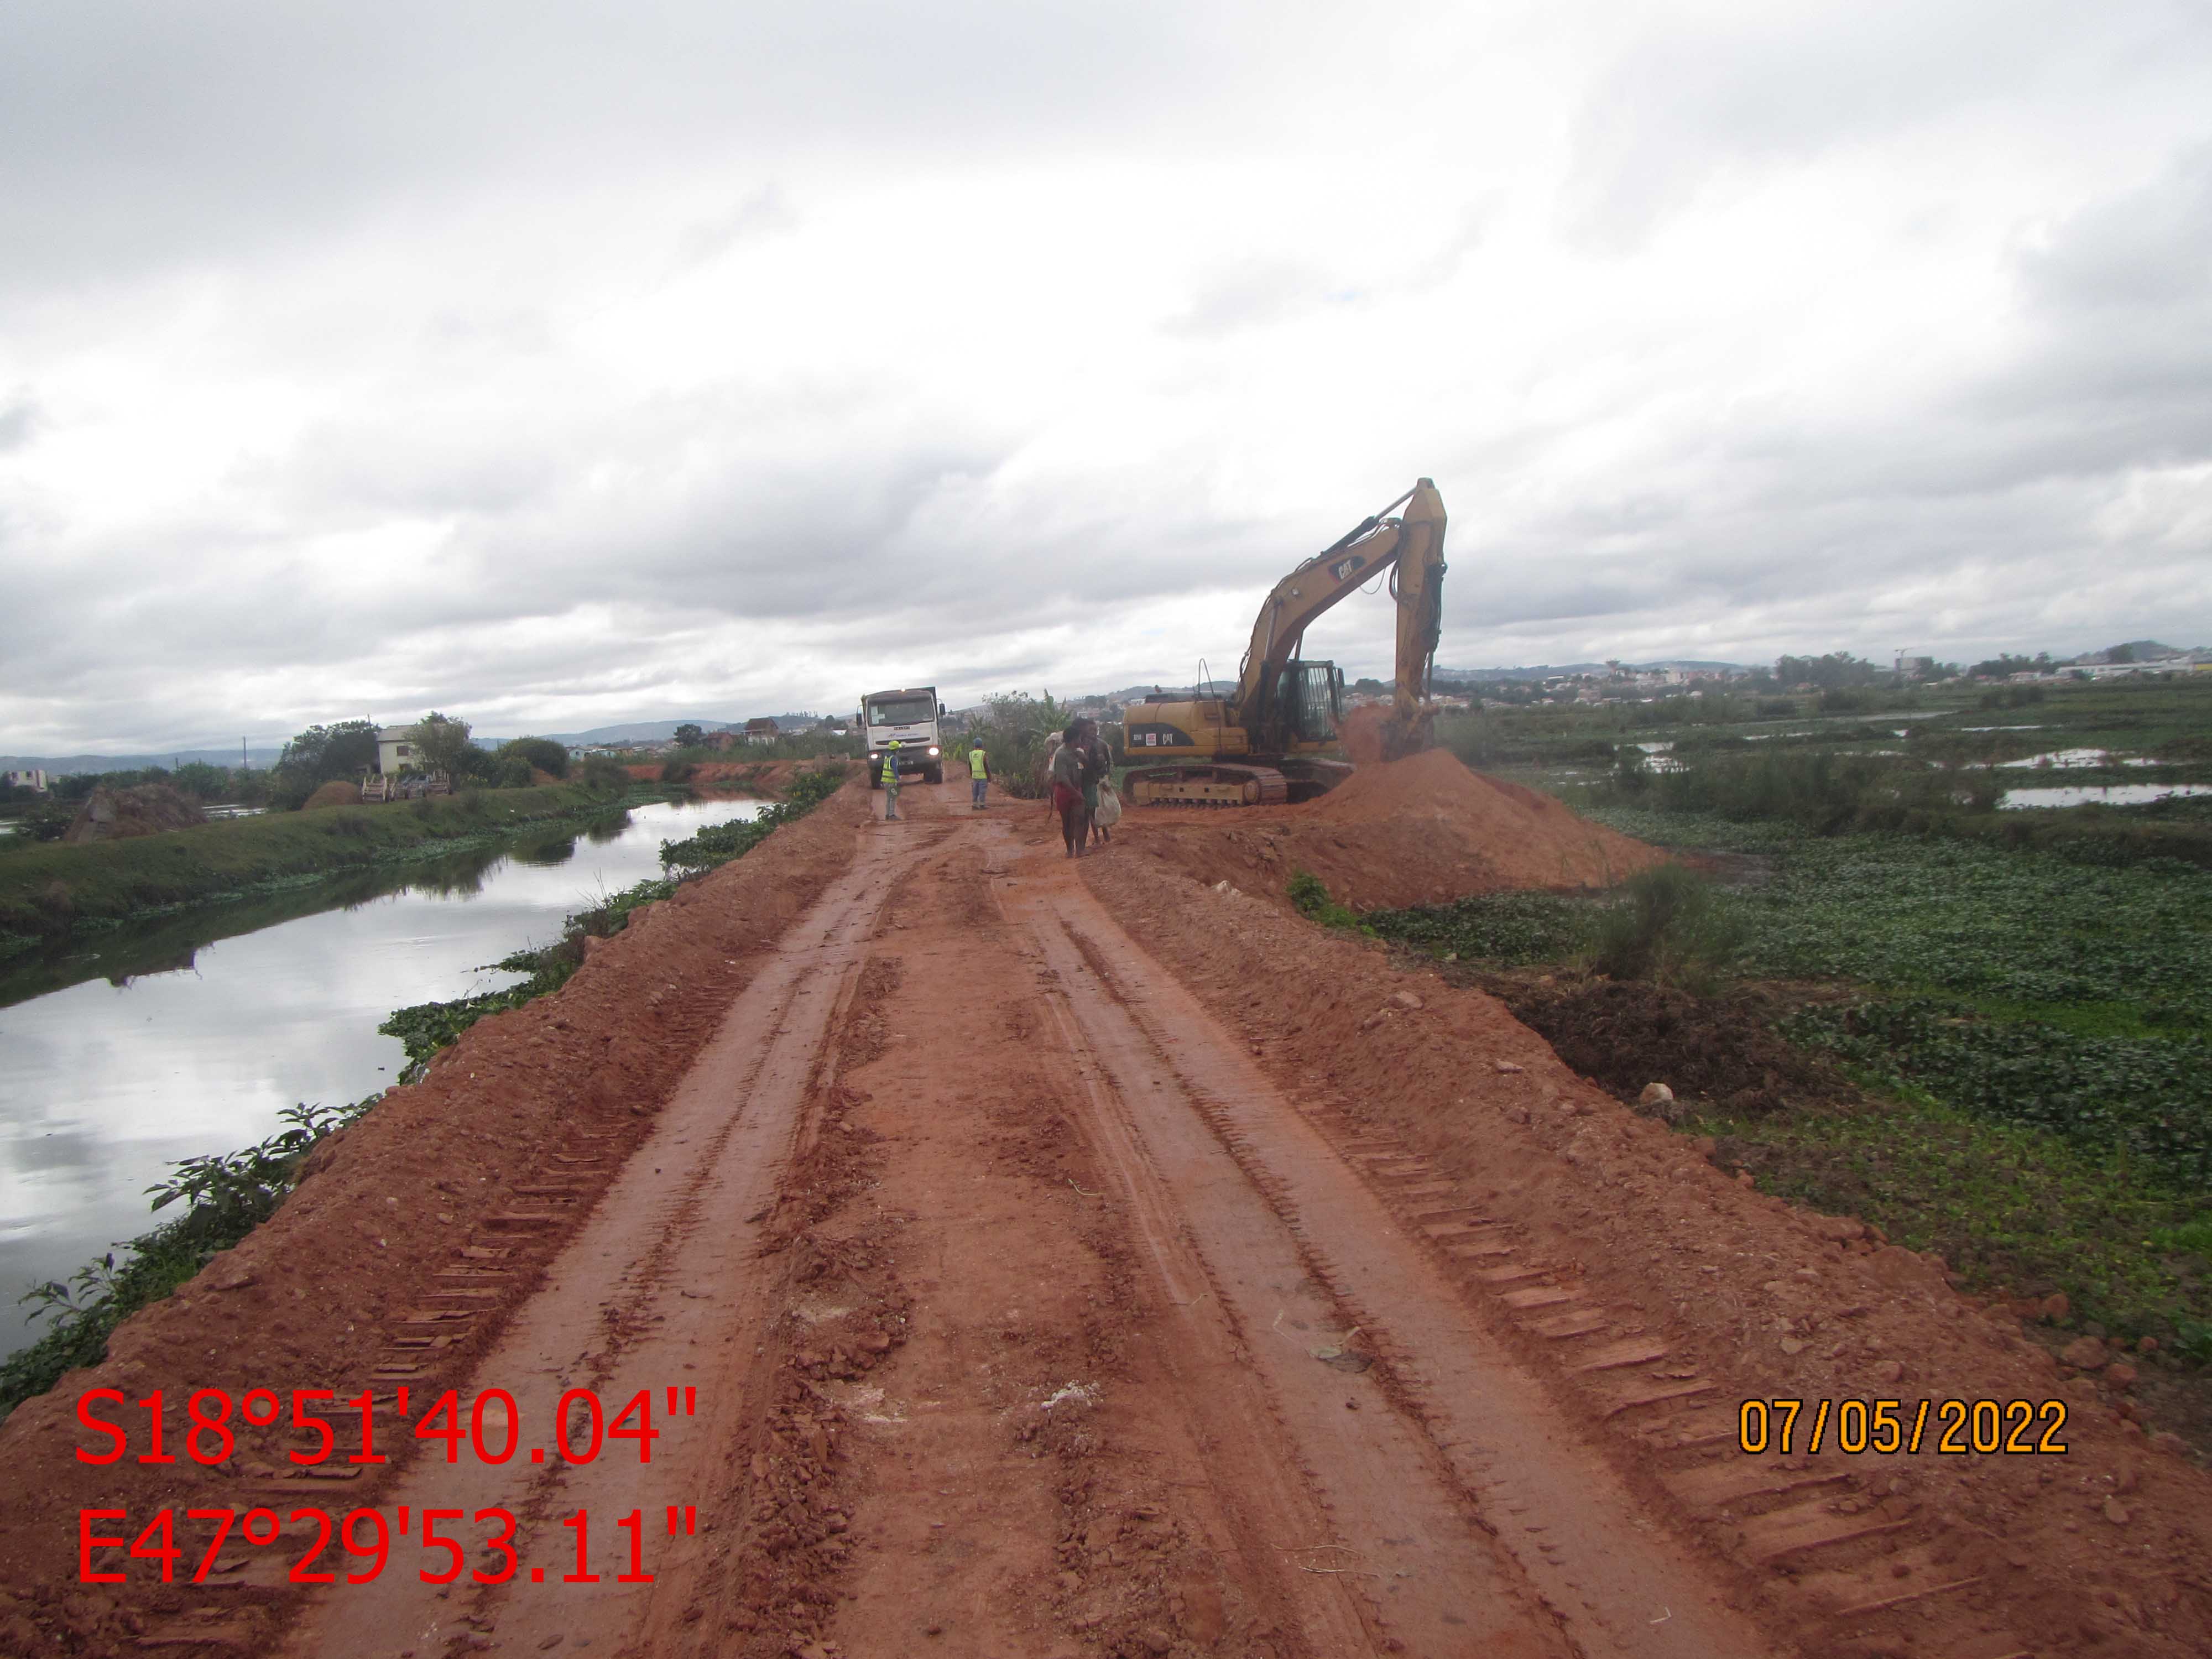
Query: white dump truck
{"type": "Point", "coordinates": [908, 717]}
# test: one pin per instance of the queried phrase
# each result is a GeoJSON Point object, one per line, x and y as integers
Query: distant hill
{"type": "Point", "coordinates": [57, 764]}
{"type": "Point", "coordinates": [2133, 650]}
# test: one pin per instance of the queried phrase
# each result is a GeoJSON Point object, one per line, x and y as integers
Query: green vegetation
{"type": "Point", "coordinates": [49, 892]}
{"type": "Point", "coordinates": [2034, 1039]}
{"type": "Point", "coordinates": [2018, 999]}
{"type": "Point", "coordinates": [1668, 926]}
{"type": "Point", "coordinates": [225, 1198]}
{"type": "Point", "coordinates": [1310, 897]}
{"type": "Point", "coordinates": [1013, 734]}
{"type": "Point", "coordinates": [718, 843]}
{"type": "Point", "coordinates": [427, 1027]}
{"type": "Point", "coordinates": [544, 754]}
{"type": "Point", "coordinates": [2008, 1207]}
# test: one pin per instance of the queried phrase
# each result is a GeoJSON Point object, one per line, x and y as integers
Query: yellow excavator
{"type": "Point", "coordinates": [1260, 744]}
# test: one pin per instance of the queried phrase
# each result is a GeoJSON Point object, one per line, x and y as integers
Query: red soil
{"type": "Point", "coordinates": [338, 791]}
{"type": "Point", "coordinates": [314, 1297]}
{"type": "Point", "coordinates": [1362, 733]}
{"type": "Point", "coordinates": [1423, 830]}
{"type": "Point", "coordinates": [2104, 1549]}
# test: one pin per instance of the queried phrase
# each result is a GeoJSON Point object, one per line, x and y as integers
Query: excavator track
{"type": "Point", "coordinates": [1216, 784]}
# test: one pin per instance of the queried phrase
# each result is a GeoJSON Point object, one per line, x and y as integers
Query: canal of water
{"type": "Point", "coordinates": [189, 1034]}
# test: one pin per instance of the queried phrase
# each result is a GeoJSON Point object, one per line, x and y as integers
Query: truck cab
{"type": "Point", "coordinates": [909, 717]}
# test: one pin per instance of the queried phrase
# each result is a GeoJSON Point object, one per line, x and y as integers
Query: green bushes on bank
{"type": "Point", "coordinates": [427, 1027]}
{"type": "Point", "coordinates": [225, 1197]}
{"type": "Point", "coordinates": [48, 891]}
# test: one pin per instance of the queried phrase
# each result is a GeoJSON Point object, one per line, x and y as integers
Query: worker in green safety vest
{"type": "Point", "coordinates": [980, 777]}
{"type": "Point", "coordinates": [890, 782]}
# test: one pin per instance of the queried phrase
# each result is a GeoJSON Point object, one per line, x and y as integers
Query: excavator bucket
{"type": "Point", "coordinates": [1405, 734]}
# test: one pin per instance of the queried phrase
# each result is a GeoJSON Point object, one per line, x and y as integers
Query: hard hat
{"type": "Point", "coordinates": [895, 743]}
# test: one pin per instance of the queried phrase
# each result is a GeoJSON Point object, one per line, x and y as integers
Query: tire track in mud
{"type": "Point", "coordinates": [653, 1291]}
{"type": "Point", "coordinates": [1478, 1425]}
{"type": "Point", "coordinates": [1020, 1470]}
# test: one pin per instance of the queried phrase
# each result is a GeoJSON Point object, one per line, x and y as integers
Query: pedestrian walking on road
{"type": "Point", "coordinates": [1067, 791]}
{"type": "Point", "coordinates": [979, 778]}
{"type": "Point", "coordinates": [891, 783]}
{"type": "Point", "coordinates": [1097, 763]}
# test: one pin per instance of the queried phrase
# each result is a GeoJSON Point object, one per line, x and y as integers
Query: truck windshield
{"type": "Point", "coordinates": [900, 711]}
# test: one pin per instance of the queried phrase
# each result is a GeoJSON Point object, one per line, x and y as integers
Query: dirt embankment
{"type": "Point", "coordinates": [2107, 1548]}
{"type": "Point", "coordinates": [145, 809]}
{"type": "Point", "coordinates": [459, 1188]}
{"type": "Point", "coordinates": [1425, 830]}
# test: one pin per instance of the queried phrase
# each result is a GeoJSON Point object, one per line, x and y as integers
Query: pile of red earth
{"type": "Point", "coordinates": [1424, 830]}
{"type": "Point", "coordinates": [338, 791]}
{"type": "Point", "coordinates": [1361, 732]}
{"type": "Point", "coordinates": [145, 809]}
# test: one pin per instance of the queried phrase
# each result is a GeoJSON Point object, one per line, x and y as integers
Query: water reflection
{"type": "Point", "coordinates": [189, 1034]}
{"type": "Point", "coordinates": [2090, 794]}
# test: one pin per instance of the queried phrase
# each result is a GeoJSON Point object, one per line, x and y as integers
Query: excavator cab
{"type": "Point", "coordinates": [1310, 697]}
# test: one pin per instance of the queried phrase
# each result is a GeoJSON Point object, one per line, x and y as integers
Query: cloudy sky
{"type": "Point", "coordinates": [553, 364]}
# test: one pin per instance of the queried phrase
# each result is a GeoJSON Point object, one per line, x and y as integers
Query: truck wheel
{"type": "Point", "coordinates": [875, 779]}
{"type": "Point", "coordinates": [935, 775]}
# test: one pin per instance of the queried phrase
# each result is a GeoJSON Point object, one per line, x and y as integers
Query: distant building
{"type": "Point", "coordinates": [724, 738]}
{"type": "Point", "coordinates": [763, 730]}
{"type": "Point", "coordinates": [395, 751]}
{"type": "Point", "coordinates": [30, 777]}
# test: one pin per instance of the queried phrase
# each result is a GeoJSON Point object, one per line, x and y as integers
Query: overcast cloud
{"type": "Point", "coordinates": [553, 364]}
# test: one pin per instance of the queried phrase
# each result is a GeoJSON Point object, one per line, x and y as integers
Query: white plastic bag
{"type": "Point", "coordinates": [1109, 806]}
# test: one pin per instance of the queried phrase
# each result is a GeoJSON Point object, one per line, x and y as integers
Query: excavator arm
{"type": "Point", "coordinates": [1410, 548]}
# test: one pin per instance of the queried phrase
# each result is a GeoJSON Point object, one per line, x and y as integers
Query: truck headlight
{"type": "Point", "coordinates": [932, 754]}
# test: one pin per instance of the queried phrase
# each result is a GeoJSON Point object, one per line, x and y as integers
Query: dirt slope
{"type": "Point", "coordinates": [1423, 830]}
{"type": "Point", "coordinates": [1582, 1206]}
{"type": "Point", "coordinates": [1072, 1262]}
{"type": "Point", "coordinates": [551, 1096]}
{"type": "Point", "coordinates": [144, 809]}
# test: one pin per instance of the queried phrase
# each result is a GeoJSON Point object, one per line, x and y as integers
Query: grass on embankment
{"type": "Point", "coordinates": [225, 1197]}
{"type": "Point", "coordinates": [2030, 1040]}
{"type": "Point", "coordinates": [48, 891]}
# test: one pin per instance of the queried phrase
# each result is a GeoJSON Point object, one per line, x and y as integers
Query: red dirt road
{"type": "Point", "coordinates": [1070, 1261]}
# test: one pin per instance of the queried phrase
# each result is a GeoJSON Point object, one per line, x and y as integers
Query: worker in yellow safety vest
{"type": "Point", "coordinates": [890, 782]}
{"type": "Point", "coordinates": [980, 777]}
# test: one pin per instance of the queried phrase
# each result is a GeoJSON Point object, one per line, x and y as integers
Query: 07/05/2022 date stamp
{"type": "Point", "coordinates": [2028, 1428]}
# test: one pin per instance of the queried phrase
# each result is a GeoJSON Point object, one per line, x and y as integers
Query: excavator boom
{"type": "Point", "coordinates": [1410, 549]}
{"type": "Point", "coordinates": [1262, 743]}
